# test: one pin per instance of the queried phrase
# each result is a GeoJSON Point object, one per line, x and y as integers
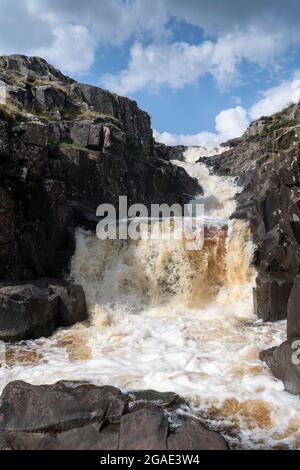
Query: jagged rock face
{"type": "Point", "coordinates": [79, 146]}
{"type": "Point", "coordinates": [267, 161]}
{"type": "Point", "coordinates": [79, 416]}
{"type": "Point", "coordinates": [293, 324]}
{"type": "Point", "coordinates": [167, 152]}
{"type": "Point", "coordinates": [284, 362]}
{"type": "Point", "coordinates": [271, 296]}
{"type": "Point", "coordinates": [36, 87]}
{"type": "Point", "coordinates": [31, 67]}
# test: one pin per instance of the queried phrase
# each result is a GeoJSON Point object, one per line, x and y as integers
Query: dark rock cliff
{"type": "Point", "coordinates": [65, 148]}
{"type": "Point", "coordinates": [266, 160]}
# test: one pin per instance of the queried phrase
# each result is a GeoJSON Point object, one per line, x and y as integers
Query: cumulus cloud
{"type": "Point", "coordinates": [178, 64]}
{"type": "Point", "coordinates": [276, 98]}
{"type": "Point", "coordinates": [232, 122]}
{"type": "Point", "coordinates": [77, 29]}
{"type": "Point", "coordinates": [62, 52]}
{"type": "Point", "coordinates": [229, 123]}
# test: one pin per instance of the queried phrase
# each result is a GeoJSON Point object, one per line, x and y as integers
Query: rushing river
{"type": "Point", "coordinates": [165, 318]}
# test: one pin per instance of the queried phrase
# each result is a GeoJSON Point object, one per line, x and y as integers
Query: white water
{"type": "Point", "coordinates": [168, 319]}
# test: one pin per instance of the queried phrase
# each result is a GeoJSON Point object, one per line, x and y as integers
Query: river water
{"type": "Point", "coordinates": [165, 318]}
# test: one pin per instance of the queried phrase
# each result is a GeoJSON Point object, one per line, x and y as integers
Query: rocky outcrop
{"type": "Point", "coordinates": [65, 148]}
{"type": "Point", "coordinates": [284, 362]}
{"type": "Point", "coordinates": [167, 152]}
{"type": "Point", "coordinates": [293, 324]}
{"type": "Point", "coordinates": [271, 297]}
{"type": "Point", "coordinates": [80, 416]}
{"type": "Point", "coordinates": [36, 309]}
{"type": "Point", "coordinates": [266, 161]}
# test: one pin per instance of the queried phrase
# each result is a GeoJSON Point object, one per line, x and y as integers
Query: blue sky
{"type": "Point", "coordinates": [203, 69]}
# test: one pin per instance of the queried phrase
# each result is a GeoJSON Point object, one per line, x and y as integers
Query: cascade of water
{"type": "Point", "coordinates": [167, 318]}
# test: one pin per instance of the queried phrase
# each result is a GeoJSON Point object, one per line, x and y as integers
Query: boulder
{"type": "Point", "coordinates": [271, 296]}
{"type": "Point", "coordinates": [284, 362]}
{"type": "Point", "coordinates": [293, 322]}
{"type": "Point", "coordinates": [81, 416]}
{"type": "Point", "coordinates": [57, 408]}
{"type": "Point", "coordinates": [71, 304]}
{"type": "Point", "coordinates": [28, 311]}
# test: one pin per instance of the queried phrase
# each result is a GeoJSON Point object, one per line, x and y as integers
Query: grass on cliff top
{"type": "Point", "coordinates": [282, 119]}
{"type": "Point", "coordinates": [275, 122]}
{"type": "Point", "coordinates": [9, 112]}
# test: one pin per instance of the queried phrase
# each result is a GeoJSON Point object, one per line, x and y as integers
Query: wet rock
{"type": "Point", "coordinates": [284, 362]}
{"type": "Point", "coordinates": [71, 305]}
{"type": "Point", "coordinates": [293, 323]}
{"type": "Point", "coordinates": [271, 296]}
{"type": "Point", "coordinates": [26, 312]}
{"type": "Point", "coordinates": [56, 408]}
{"type": "Point", "coordinates": [143, 430]}
{"type": "Point", "coordinates": [86, 437]}
{"type": "Point", "coordinates": [266, 160]}
{"type": "Point", "coordinates": [166, 400]}
{"type": "Point", "coordinates": [194, 435]}
{"type": "Point", "coordinates": [31, 310]}
{"type": "Point", "coordinates": [76, 415]}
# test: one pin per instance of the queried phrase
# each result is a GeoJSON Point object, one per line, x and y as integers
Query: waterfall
{"type": "Point", "coordinates": [165, 318]}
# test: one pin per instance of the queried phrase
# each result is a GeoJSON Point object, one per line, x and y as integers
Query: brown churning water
{"type": "Point", "coordinates": [166, 318]}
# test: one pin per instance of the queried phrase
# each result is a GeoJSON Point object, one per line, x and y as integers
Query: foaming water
{"type": "Point", "coordinates": [165, 318]}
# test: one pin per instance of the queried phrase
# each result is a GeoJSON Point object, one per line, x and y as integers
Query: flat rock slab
{"type": "Point", "coordinates": [82, 416]}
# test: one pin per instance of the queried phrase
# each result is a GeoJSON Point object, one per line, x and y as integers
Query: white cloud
{"type": "Point", "coordinates": [178, 64]}
{"type": "Point", "coordinates": [202, 138]}
{"type": "Point", "coordinates": [62, 52]}
{"type": "Point", "coordinates": [276, 98]}
{"type": "Point", "coordinates": [256, 33]}
{"type": "Point", "coordinates": [232, 122]}
{"type": "Point", "coordinates": [67, 33]}
{"type": "Point", "coordinates": [229, 123]}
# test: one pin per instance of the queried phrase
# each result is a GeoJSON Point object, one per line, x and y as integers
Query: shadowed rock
{"type": "Point", "coordinates": [74, 415]}
{"type": "Point", "coordinates": [36, 309]}
{"type": "Point", "coordinates": [293, 325]}
{"type": "Point", "coordinates": [271, 297]}
{"type": "Point", "coordinates": [284, 362]}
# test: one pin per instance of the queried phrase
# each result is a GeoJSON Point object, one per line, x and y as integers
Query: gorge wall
{"type": "Point", "coordinates": [266, 160]}
{"type": "Point", "coordinates": [65, 148]}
